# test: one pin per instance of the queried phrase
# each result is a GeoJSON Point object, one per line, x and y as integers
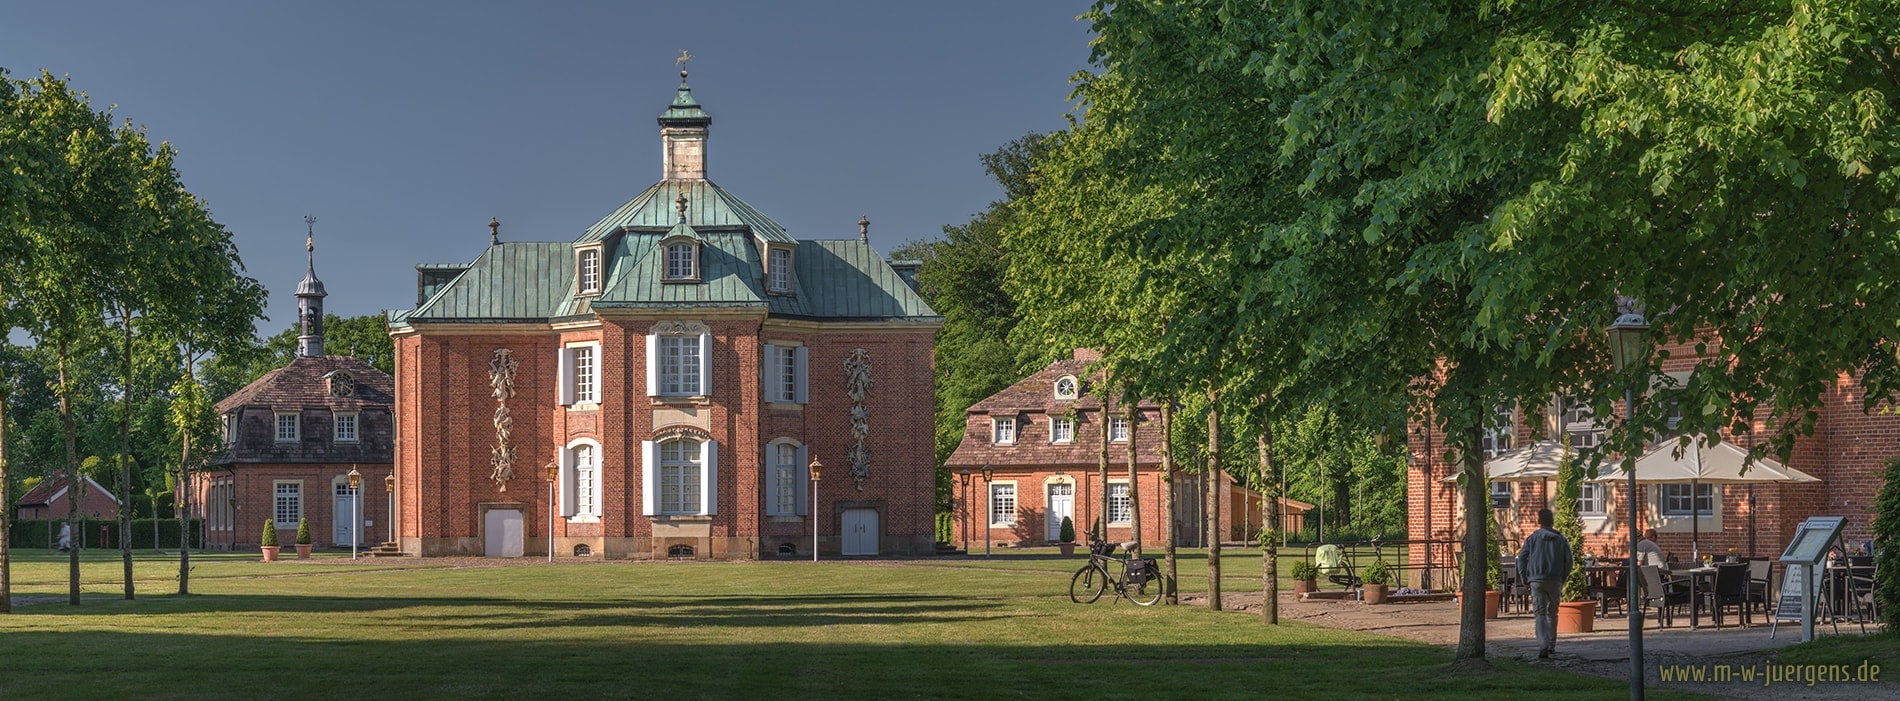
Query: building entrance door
{"type": "Point", "coordinates": [1061, 506]}
{"type": "Point", "coordinates": [502, 534]}
{"type": "Point", "coordinates": [340, 518]}
{"type": "Point", "coordinates": [860, 532]}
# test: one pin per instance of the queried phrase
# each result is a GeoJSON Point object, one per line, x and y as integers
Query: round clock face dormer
{"type": "Point", "coordinates": [341, 384]}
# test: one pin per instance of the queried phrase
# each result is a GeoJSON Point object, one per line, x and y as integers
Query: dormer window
{"type": "Point", "coordinates": [341, 383]}
{"type": "Point", "coordinates": [1066, 387]}
{"type": "Point", "coordinates": [682, 261]}
{"type": "Point", "coordinates": [778, 271]}
{"type": "Point", "coordinates": [588, 271]}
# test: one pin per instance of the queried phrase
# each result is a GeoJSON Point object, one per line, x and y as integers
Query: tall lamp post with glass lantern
{"type": "Point", "coordinates": [989, 508]}
{"type": "Point", "coordinates": [1627, 351]}
{"type": "Point", "coordinates": [389, 496]}
{"type": "Point", "coordinates": [966, 510]}
{"type": "Point", "coordinates": [356, 508]}
{"type": "Point", "coordinates": [554, 475]}
{"type": "Point", "coordinates": [816, 468]}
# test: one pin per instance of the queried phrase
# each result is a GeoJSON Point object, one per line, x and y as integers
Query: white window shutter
{"type": "Point", "coordinates": [799, 361]}
{"type": "Point", "coordinates": [649, 477]}
{"type": "Point", "coordinates": [709, 485]}
{"type": "Point", "coordinates": [600, 362]}
{"type": "Point", "coordinates": [653, 365]}
{"type": "Point", "coordinates": [802, 478]}
{"type": "Point", "coordinates": [566, 363]}
{"type": "Point", "coordinates": [568, 483]}
{"type": "Point", "coordinates": [769, 379]}
{"type": "Point", "coordinates": [705, 364]}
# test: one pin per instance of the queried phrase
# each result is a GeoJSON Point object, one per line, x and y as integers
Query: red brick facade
{"type": "Point", "coordinates": [52, 499]}
{"type": "Point", "coordinates": [1846, 452]}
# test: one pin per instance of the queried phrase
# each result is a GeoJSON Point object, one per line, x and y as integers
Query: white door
{"type": "Point", "coordinates": [860, 532]}
{"type": "Point", "coordinates": [345, 510]}
{"type": "Point", "coordinates": [1061, 506]}
{"type": "Point", "coordinates": [502, 534]}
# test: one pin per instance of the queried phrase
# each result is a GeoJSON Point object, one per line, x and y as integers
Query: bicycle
{"type": "Point", "coordinates": [1140, 579]}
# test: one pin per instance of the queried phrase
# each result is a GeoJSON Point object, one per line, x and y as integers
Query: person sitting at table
{"type": "Point", "coordinates": [1647, 551]}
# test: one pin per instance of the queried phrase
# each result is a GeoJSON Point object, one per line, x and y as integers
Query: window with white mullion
{"type": "Point", "coordinates": [289, 502]}
{"type": "Point", "coordinates": [345, 427]}
{"type": "Point", "coordinates": [590, 271]}
{"type": "Point", "coordinates": [679, 261]}
{"type": "Point", "coordinates": [585, 481]}
{"type": "Point", "coordinates": [785, 473]}
{"type": "Point", "coordinates": [679, 365]}
{"type": "Point", "coordinates": [584, 389]}
{"type": "Point", "coordinates": [679, 477]}
{"type": "Point", "coordinates": [779, 274]}
{"type": "Point", "coordinates": [1061, 429]}
{"type": "Point", "coordinates": [1119, 509]}
{"type": "Point", "coordinates": [1501, 435]}
{"type": "Point", "coordinates": [1002, 504]}
{"type": "Point", "coordinates": [287, 428]}
{"type": "Point", "coordinates": [1590, 499]}
{"type": "Point", "coordinates": [1005, 430]}
{"type": "Point", "coordinates": [1678, 499]}
{"type": "Point", "coordinates": [787, 373]}
{"type": "Point", "coordinates": [1118, 429]}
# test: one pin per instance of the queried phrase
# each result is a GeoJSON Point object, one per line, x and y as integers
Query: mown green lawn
{"type": "Point", "coordinates": [890, 629]}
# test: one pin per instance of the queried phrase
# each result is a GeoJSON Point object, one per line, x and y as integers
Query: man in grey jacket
{"type": "Point", "coordinates": [1544, 561]}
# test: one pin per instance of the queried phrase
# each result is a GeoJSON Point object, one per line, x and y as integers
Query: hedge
{"type": "Point", "coordinates": [44, 533]}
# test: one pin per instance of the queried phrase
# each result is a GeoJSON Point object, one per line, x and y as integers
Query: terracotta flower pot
{"type": "Point", "coordinates": [270, 552]}
{"type": "Point", "coordinates": [1305, 586]}
{"type": "Point", "coordinates": [1066, 548]}
{"type": "Point", "coordinates": [1576, 616]}
{"type": "Point", "coordinates": [1375, 593]}
{"type": "Point", "coordinates": [303, 551]}
{"type": "Point", "coordinates": [1491, 600]}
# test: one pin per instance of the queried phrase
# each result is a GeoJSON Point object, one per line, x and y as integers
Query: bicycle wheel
{"type": "Point", "coordinates": [1088, 584]}
{"type": "Point", "coordinates": [1148, 591]}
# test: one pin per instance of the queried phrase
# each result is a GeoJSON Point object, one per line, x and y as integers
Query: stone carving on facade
{"type": "Point", "coordinates": [675, 327]}
{"type": "Point", "coordinates": [857, 386]}
{"type": "Point", "coordinates": [501, 380]}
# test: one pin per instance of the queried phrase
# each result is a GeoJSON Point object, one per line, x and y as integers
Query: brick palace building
{"type": "Point", "coordinates": [674, 370]}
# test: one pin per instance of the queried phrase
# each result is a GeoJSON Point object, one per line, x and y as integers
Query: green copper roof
{"type": "Point", "coordinates": [684, 110]}
{"type": "Point", "coordinates": [708, 206]}
{"type": "Point", "coordinates": [511, 281]}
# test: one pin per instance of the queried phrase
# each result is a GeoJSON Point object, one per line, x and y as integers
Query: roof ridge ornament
{"type": "Point", "coordinates": [680, 204]}
{"type": "Point", "coordinates": [864, 229]}
{"type": "Point", "coordinates": [494, 231]}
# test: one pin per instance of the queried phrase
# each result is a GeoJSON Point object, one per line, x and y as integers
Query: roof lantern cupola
{"type": "Point", "coordinates": [683, 128]}
{"type": "Point", "coordinates": [310, 296]}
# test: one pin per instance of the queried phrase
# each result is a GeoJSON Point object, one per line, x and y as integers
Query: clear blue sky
{"type": "Point", "coordinates": [404, 126]}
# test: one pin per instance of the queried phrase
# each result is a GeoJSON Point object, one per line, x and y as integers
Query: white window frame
{"type": "Point", "coordinates": [230, 429]}
{"type": "Point", "coordinates": [680, 365]}
{"type": "Point", "coordinates": [785, 368]}
{"type": "Point", "coordinates": [1501, 438]}
{"type": "Point", "coordinates": [280, 497]}
{"type": "Point", "coordinates": [1118, 429]}
{"type": "Point", "coordinates": [1003, 503]}
{"type": "Point", "coordinates": [1003, 430]}
{"type": "Point", "coordinates": [787, 485]}
{"type": "Point", "coordinates": [778, 270]}
{"type": "Point", "coordinates": [1576, 420]}
{"type": "Point", "coordinates": [671, 272]}
{"type": "Point", "coordinates": [1073, 390]}
{"type": "Point", "coordinates": [701, 466]}
{"type": "Point", "coordinates": [1500, 495]}
{"type": "Point", "coordinates": [581, 481]}
{"type": "Point", "coordinates": [1593, 500]}
{"type": "Point", "coordinates": [296, 426]}
{"type": "Point", "coordinates": [1061, 429]}
{"type": "Point", "coordinates": [580, 373]}
{"type": "Point", "coordinates": [587, 271]}
{"type": "Point", "coordinates": [338, 420]}
{"type": "Point", "coordinates": [1673, 495]}
{"type": "Point", "coordinates": [1121, 510]}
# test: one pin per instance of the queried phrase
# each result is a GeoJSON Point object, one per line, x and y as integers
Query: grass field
{"type": "Point", "coordinates": [890, 629]}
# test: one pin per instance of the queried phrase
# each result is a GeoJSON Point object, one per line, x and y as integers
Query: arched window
{"type": "Point", "coordinates": [680, 552]}
{"type": "Point", "coordinates": [679, 476]}
{"type": "Point", "coordinates": [1066, 387]}
{"type": "Point", "coordinates": [785, 478]}
{"type": "Point", "coordinates": [580, 481]}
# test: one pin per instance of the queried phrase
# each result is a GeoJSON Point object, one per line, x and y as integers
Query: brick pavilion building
{"type": "Point", "coordinates": [291, 439]}
{"type": "Point", "coordinates": [658, 387]}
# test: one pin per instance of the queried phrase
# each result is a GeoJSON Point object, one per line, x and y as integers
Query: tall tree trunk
{"type": "Point", "coordinates": [125, 458]}
{"type": "Point", "coordinates": [1270, 522]}
{"type": "Point", "coordinates": [78, 489]}
{"type": "Point", "coordinates": [1213, 501]}
{"type": "Point", "coordinates": [1101, 459]}
{"type": "Point", "coordinates": [6, 499]}
{"type": "Point", "coordinates": [1477, 554]}
{"type": "Point", "coordinates": [181, 494]}
{"type": "Point", "coordinates": [1167, 497]}
{"type": "Point", "coordinates": [1133, 416]}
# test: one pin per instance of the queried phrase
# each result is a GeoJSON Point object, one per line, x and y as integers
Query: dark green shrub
{"type": "Point", "coordinates": [1305, 571]}
{"type": "Point", "coordinates": [1068, 530]}
{"type": "Point", "coordinates": [1569, 524]}
{"type": "Point", "coordinates": [270, 534]}
{"type": "Point", "coordinates": [1377, 573]}
{"type": "Point", "coordinates": [303, 531]}
{"type": "Point", "coordinates": [1887, 547]}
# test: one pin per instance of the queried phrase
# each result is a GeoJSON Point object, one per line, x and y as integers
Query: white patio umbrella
{"type": "Point", "coordinates": [1536, 462]}
{"type": "Point", "coordinates": [1719, 463]}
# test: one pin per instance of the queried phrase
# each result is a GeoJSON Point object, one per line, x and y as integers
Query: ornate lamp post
{"type": "Point", "coordinates": [989, 507]}
{"type": "Point", "coordinates": [554, 475]}
{"type": "Point", "coordinates": [1627, 351]}
{"type": "Point", "coordinates": [356, 508]}
{"type": "Point", "coordinates": [389, 495]}
{"type": "Point", "coordinates": [816, 469]}
{"type": "Point", "coordinates": [966, 510]}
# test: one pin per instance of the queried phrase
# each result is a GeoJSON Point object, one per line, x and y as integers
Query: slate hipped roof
{"type": "Point", "coordinates": [1031, 401]}
{"type": "Point", "coordinates": [300, 384]}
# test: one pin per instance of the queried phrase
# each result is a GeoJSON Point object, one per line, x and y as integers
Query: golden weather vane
{"type": "Point", "coordinates": [684, 57]}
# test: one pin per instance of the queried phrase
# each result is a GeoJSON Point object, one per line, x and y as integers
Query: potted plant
{"type": "Point", "coordinates": [1067, 537]}
{"type": "Point", "coordinates": [303, 539]}
{"type": "Point", "coordinates": [1377, 578]}
{"type": "Point", "coordinates": [269, 541]}
{"type": "Point", "coordinates": [1576, 613]}
{"type": "Point", "coordinates": [1305, 578]}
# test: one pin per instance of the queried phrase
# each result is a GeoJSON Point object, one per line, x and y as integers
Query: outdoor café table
{"type": "Point", "coordinates": [1696, 577]}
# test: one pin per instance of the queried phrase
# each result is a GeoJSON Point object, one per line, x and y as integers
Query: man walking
{"type": "Point", "coordinates": [1544, 561]}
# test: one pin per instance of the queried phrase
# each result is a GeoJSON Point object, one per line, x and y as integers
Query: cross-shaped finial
{"type": "Point", "coordinates": [681, 205]}
{"type": "Point", "coordinates": [310, 234]}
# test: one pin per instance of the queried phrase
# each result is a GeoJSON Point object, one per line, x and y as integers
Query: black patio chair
{"type": "Point", "coordinates": [1731, 589]}
{"type": "Point", "coordinates": [1760, 587]}
{"type": "Point", "coordinates": [1662, 594]}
